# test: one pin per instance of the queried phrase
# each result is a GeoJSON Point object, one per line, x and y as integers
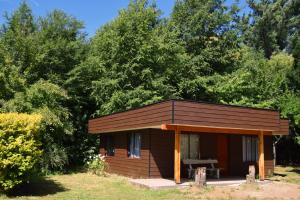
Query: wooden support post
{"type": "Point", "coordinates": [177, 157]}
{"type": "Point", "coordinates": [261, 161]}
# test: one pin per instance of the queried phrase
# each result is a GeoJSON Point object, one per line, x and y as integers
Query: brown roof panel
{"type": "Point", "coordinates": [190, 113]}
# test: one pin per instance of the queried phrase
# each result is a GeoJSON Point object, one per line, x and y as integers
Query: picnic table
{"type": "Point", "coordinates": [210, 162]}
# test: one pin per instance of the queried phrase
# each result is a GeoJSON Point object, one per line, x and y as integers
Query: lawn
{"type": "Point", "coordinates": [287, 174]}
{"type": "Point", "coordinates": [87, 186]}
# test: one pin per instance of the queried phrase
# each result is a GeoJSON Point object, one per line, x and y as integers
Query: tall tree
{"type": "Point", "coordinates": [133, 58]}
{"type": "Point", "coordinates": [208, 31]}
{"type": "Point", "coordinates": [37, 58]}
{"type": "Point", "coordinates": [61, 46]}
{"type": "Point", "coordinates": [18, 37]}
{"type": "Point", "coordinates": [273, 25]}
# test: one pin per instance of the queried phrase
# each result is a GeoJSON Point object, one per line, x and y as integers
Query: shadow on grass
{"type": "Point", "coordinates": [279, 174]}
{"type": "Point", "coordinates": [39, 187]}
{"type": "Point", "coordinates": [296, 170]}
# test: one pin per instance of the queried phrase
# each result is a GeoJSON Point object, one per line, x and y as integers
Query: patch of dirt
{"type": "Point", "coordinates": [268, 190]}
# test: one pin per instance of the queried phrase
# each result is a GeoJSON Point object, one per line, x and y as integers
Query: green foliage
{"type": "Point", "coordinates": [19, 147]}
{"type": "Point", "coordinates": [38, 54]}
{"type": "Point", "coordinates": [272, 25]}
{"type": "Point", "coordinates": [47, 99]}
{"type": "Point", "coordinates": [18, 36]}
{"type": "Point", "coordinates": [96, 165]}
{"type": "Point", "coordinates": [206, 50]}
{"type": "Point", "coordinates": [132, 60]}
{"type": "Point", "coordinates": [255, 83]}
{"type": "Point", "coordinates": [60, 48]}
{"type": "Point", "coordinates": [10, 81]}
{"type": "Point", "coordinates": [209, 33]}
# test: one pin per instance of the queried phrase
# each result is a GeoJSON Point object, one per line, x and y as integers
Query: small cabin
{"type": "Point", "coordinates": [169, 139]}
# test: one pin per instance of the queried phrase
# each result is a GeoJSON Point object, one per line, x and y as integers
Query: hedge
{"type": "Point", "coordinates": [19, 148]}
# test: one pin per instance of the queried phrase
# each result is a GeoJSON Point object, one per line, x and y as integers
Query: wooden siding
{"type": "Point", "coordinates": [283, 127]}
{"type": "Point", "coordinates": [179, 112]}
{"type": "Point", "coordinates": [203, 114]}
{"type": "Point", "coordinates": [120, 163]}
{"type": "Point", "coordinates": [239, 168]}
{"type": "Point", "coordinates": [148, 116]}
{"type": "Point", "coordinates": [157, 154]}
{"type": "Point", "coordinates": [161, 154]}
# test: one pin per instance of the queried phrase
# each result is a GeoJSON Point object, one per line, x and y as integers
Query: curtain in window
{"type": "Point", "coordinates": [184, 146]}
{"type": "Point", "coordinates": [134, 145]}
{"type": "Point", "coordinates": [131, 153]}
{"type": "Point", "coordinates": [110, 149]}
{"type": "Point", "coordinates": [137, 145]}
{"type": "Point", "coordinates": [189, 146]}
{"type": "Point", "coordinates": [250, 148]}
{"type": "Point", "coordinates": [194, 146]}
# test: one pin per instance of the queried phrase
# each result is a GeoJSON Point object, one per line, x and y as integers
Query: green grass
{"type": "Point", "coordinates": [87, 186]}
{"type": "Point", "coordinates": [290, 174]}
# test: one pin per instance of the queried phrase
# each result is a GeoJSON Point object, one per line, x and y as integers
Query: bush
{"type": "Point", "coordinates": [19, 148]}
{"type": "Point", "coordinates": [97, 165]}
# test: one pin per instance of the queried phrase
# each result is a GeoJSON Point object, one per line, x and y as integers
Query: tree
{"type": "Point", "coordinates": [210, 36]}
{"type": "Point", "coordinates": [18, 37]}
{"type": "Point", "coordinates": [61, 46]}
{"type": "Point", "coordinates": [272, 25]}
{"type": "Point", "coordinates": [255, 83]}
{"type": "Point", "coordinates": [47, 99]}
{"type": "Point", "coordinates": [131, 60]}
{"type": "Point", "coordinates": [40, 53]}
{"type": "Point", "coordinates": [10, 81]}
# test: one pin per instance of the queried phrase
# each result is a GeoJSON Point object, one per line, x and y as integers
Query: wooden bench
{"type": "Point", "coordinates": [213, 171]}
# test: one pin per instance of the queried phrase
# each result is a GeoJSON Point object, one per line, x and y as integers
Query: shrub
{"type": "Point", "coordinates": [97, 165]}
{"type": "Point", "coordinates": [19, 148]}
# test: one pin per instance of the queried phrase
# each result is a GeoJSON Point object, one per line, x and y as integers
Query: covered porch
{"type": "Point", "coordinates": [220, 162]}
{"type": "Point", "coordinates": [161, 183]}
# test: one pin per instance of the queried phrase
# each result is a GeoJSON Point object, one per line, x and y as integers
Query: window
{"type": "Point", "coordinates": [109, 146]}
{"type": "Point", "coordinates": [134, 145]}
{"type": "Point", "coordinates": [250, 148]}
{"type": "Point", "coordinates": [189, 146]}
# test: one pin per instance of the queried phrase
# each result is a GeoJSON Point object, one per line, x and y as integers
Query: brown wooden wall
{"type": "Point", "coordinates": [148, 116]}
{"type": "Point", "coordinates": [190, 113]}
{"type": "Point", "coordinates": [239, 168]}
{"type": "Point", "coordinates": [162, 154]}
{"type": "Point", "coordinates": [120, 163]}
{"type": "Point", "coordinates": [157, 154]}
{"type": "Point", "coordinates": [158, 162]}
{"type": "Point", "coordinates": [204, 114]}
{"type": "Point", "coordinates": [283, 127]}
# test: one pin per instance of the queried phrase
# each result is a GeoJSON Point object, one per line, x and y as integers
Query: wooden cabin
{"type": "Point", "coordinates": [159, 140]}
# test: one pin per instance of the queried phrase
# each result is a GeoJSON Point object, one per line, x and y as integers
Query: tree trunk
{"type": "Point", "coordinates": [200, 176]}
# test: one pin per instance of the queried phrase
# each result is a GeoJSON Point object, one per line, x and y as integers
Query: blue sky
{"type": "Point", "coordinates": [93, 13]}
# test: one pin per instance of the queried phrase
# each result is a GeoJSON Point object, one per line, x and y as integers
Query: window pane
{"type": "Point", "coordinates": [253, 146]}
{"type": "Point", "coordinates": [131, 148]}
{"type": "Point", "coordinates": [244, 149]}
{"type": "Point", "coordinates": [194, 146]}
{"type": "Point", "coordinates": [184, 146]}
{"type": "Point", "coordinates": [248, 148]}
{"type": "Point", "coordinates": [137, 148]}
{"type": "Point", "coordinates": [256, 149]}
{"type": "Point", "coordinates": [110, 150]}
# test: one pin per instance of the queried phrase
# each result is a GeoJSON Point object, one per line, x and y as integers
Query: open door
{"type": "Point", "coordinates": [222, 153]}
